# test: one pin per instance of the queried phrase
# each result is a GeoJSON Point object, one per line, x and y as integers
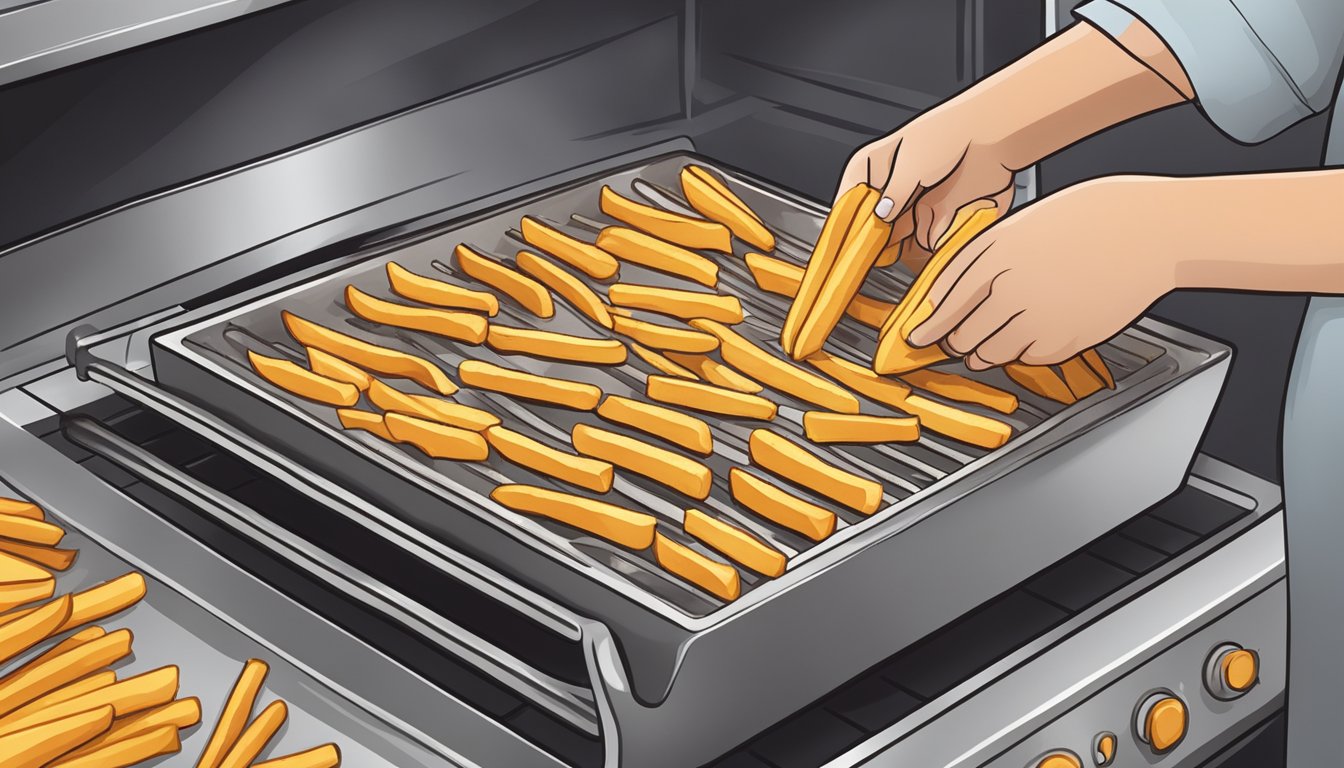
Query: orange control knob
{"type": "Point", "coordinates": [1103, 748]}
{"type": "Point", "coordinates": [1231, 671]}
{"type": "Point", "coordinates": [1060, 760]}
{"type": "Point", "coordinates": [1162, 721]}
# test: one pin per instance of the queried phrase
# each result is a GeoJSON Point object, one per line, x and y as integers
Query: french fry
{"type": "Point", "coordinates": [14, 570]}
{"type": "Point", "coordinates": [86, 684]}
{"type": "Point", "coordinates": [178, 714]}
{"type": "Point", "coordinates": [860, 379]}
{"type": "Point", "coordinates": [677, 472]}
{"type": "Point", "coordinates": [955, 423]}
{"type": "Point", "coordinates": [127, 697]}
{"type": "Point", "coordinates": [894, 353]}
{"type": "Point", "coordinates": [295, 380]}
{"type": "Point", "coordinates": [529, 294]}
{"type": "Point", "coordinates": [48, 557]}
{"type": "Point", "coordinates": [92, 604]}
{"type": "Point", "coordinates": [962, 389]}
{"type": "Point", "coordinates": [648, 251]}
{"type": "Point", "coordinates": [23, 633]}
{"type": "Point", "coordinates": [696, 234]}
{"type": "Point", "coordinates": [712, 199]}
{"type": "Point", "coordinates": [21, 508]}
{"type": "Point", "coordinates": [46, 674]}
{"type": "Point", "coordinates": [593, 474]}
{"type": "Point", "coordinates": [1042, 380]}
{"type": "Point", "coordinates": [673, 426]}
{"type": "Point", "coordinates": [130, 751]}
{"type": "Point", "coordinates": [427, 290]}
{"type": "Point", "coordinates": [256, 736]}
{"type": "Point", "coordinates": [82, 637]}
{"type": "Point", "coordinates": [718, 579]}
{"type": "Point", "coordinates": [461, 326]}
{"type": "Point", "coordinates": [585, 257]}
{"type": "Point", "coordinates": [14, 595]}
{"type": "Point", "coordinates": [618, 525]}
{"type": "Point", "coordinates": [780, 277]}
{"type": "Point", "coordinates": [546, 389]}
{"type": "Point", "coordinates": [779, 506]}
{"type": "Point", "coordinates": [30, 531]}
{"type": "Point", "coordinates": [716, 373]}
{"type": "Point", "coordinates": [371, 357]}
{"type": "Point", "coordinates": [891, 254]}
{"type": "Point", "coordinates": [333, 367]}
{"type": "Point", "coordinates": [676, 302]}
{"type": "Point", "coordinates": [794, 463]}
{"type": "Point", "coordinates": [1093, 359]}
{"type": "Point", "coordinates": [355, 418]}
{"type": "Point", "coordinates": [775, 373]}
{"type": "Point", "coordinates": [555, 346]}
{"type": "Point", "coordinates": [709, 398]}
{"type": "Point", "coordinates": [862, 244]}
{"type": "Point", "coordinates": [39, 745]}
{"type": "Point", "coordinates": [661, 362]}
{"type": "Point", "coordinates": [237, 711]}
{"type": "Point", "coordinates": [661, 337]}
{"type": "Point", "coordinates": [736, 544]}
{"type": "Point", "coordinates": [569, 287]}
{"type": "Point", "coordinates": [824, 427]}
{"type": "Point", "coordinates": [430, 408]}
{"type": "Point", "coordinates": [438, 441]}
{"type": "Point", "coordinates": [1080, 378]}
{"type": "Point", "coordinates": [833, 235]}
{"type": "Point", "coordinates": [325, 756]}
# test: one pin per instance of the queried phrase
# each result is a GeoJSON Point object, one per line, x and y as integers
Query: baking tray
{"type": "Point", "coordinates": [964, 520]}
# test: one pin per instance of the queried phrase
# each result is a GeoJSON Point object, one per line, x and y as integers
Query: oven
{"type": "Point", "coordinates": [1077, 597]}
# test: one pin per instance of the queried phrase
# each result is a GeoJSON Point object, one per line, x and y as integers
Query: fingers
{"type": "Point", "coordinates": [899, 191]}
{"type": "Point", "coordinates": [1005, 346]}
{"type": "Point", "coordinates": [983, 322]}
{"type": "Point", "coordinates": [964, 283]}
{"type": "Point", "coordinates": [871, 165]}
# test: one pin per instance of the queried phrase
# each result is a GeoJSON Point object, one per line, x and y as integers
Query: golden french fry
{"type": "Point", "coordinates": [48, 557]}
{"type": "Point", "coordinates": [712, 199]}
{"type": "Point", "coordinates": [127, 752]}
{"type": "Point", "coordinates": [92, 604]}
{"type": "Point", "coordinates": [453, 324]}
{"type": "Point", "coordinates": [178, 714]}
{"type": "Point", "coordinates": [86, 684]}
{"type": "Point", "coordinates": [38, 746]}
{"type": "Point", "coordinates": [715, 373]}
{"type": "Point", "coordinates": [14, 595]}
{"type": "Point", "coordinates": [862, 380]}
{"type": "Point", "coordinates": [890, 255]}
{"type": "Point", "coordinates": [718, 579]}
{"type": "Point", "coordinates": [569, 287]}
{"type": "Point", "coordinates": [1093, 359]}
{"type": "Point", "coordinates": [960, 425]}
{"type": "Point", "coordinates": [438, 441]}
{"type": "Point", "coordinates": [794, 463]}
{"type": "Point", "coordinates": [664, 338]}
{"type": "Point", "coordinates": [371, 357]}
{"type": "Point", "coordinates": [295, 380]}
{"type": "Point", "coordinates": [237, 711]}
{"type": "Point", "coordinates": [833, 234]}
{"type": "Point", "coordinates": [21, 508]}
{"type": "Point", "coordinates": [1042, 380]}
{"type": "Point", "coordinates": [780, 277]}
{"type": "Point", "coordinates": [738, 545]}
{"type": "Point", "coordinates": [894, 353]}
{"type": "Point", "coordinates": [82, 637]}
{"type": "Point", "coordinates": [355, 418]}
{"type": "Point", "coordinates": [555, 346]}
{"type": "Point", "coordinates": [824, 427]}
{"type": "Point", "coordinates": [615, 524]}
{"type": "Point", "coordinates": [962, 389]}
{"type": "Point", "coordinates": [430, 408]}
{"type": "Point", "coordinates": [775, 373]}
{"type": "Point", "coordinates": [676, 302]}
{"type": "Point", "coordinates": [1080, 378]}
{"type": "Point", "coordinates": [662, 363]}
{"type": "Point", "coordinates": [585, 257]}
{"type": "Point", "coordinates": [781, 507]}
{"type": "Point", "coordinates": [23, 633]}
{"type": "Point", "coordinates": [530, 294]}
{"type": "Point", "coordinates": [427, 290]}
{"type": "Point", "coordinates": [127, 697]}
{"type": "Point", "coordinates": [696, 234]}
{"type": "Point", "coordinates": [648, 251]}
{"type": "Point", "coordinates": [673, 426]}
{"type": "Point", "coordinates": [709, 398]}
{"type": "Point", "coordinates": [14, 570]}
{"type": "Point", "coordinates": [325, 756]}
{"type": "Point", "coordinates": [256, 736]}
{"type": "Point", "coordinates": [547, 389]}
{"type": "Point", "coordinates": [862, 244]}
{"type": "Point", "coordinates": [46, 674]}
{"type": "Point", "coordinates": [593, 474]}
{"type": "Point", "coordinates": [658, 464]}
{"type": "Point", "coordinates": [333, 367]}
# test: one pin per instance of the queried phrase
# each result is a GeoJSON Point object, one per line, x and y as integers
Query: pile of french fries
{"type": "Point", "coordinates": [62, 702]}
{"type": "Point", "coordinates": [698, 364]}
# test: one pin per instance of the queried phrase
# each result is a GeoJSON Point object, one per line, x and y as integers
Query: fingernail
{"type": "Point", "coordinates": [916, 337]}
{"type": "Point", "coordinates": [883, 208]}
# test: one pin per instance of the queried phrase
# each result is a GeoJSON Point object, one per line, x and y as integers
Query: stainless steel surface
{"type": "Point", "coordinates": [41, 35]}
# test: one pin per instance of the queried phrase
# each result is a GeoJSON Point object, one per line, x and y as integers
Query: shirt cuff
{"type": "Point", "coordinates": [1238, 82]}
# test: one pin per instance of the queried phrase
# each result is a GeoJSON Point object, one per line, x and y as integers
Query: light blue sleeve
{"type": "Point", "coordinates": [1257, 66]}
